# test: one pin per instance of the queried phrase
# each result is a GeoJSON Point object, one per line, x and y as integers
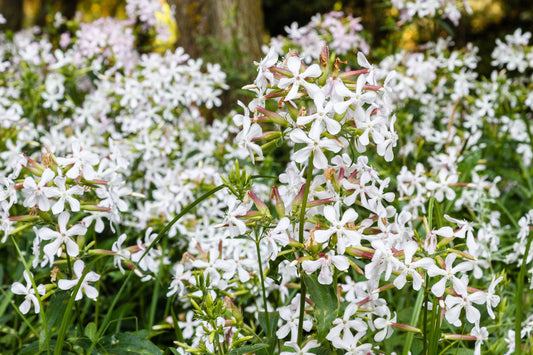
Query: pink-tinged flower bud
{"type": "Point", "coordinates": [228, 303]}
{"type": "Point", "coordinates": [95, 207]}
{"type": "Point", "coordinates": [101, 252]}
{"type": "Point", "coordinates": [281, 71]}
{"type": "Point", "coordinates": [320, 202]}
{"type": "Point", "coordinates": [352, 73]}
{"type": "Point", "coordinates": [280, 206]}
{"type": "Point", "coordinates": [293, 110]}
{"type": "Point", "coordinates": [34, 167]}
{"type": "Point", "coordinates": [407, 328]}
{"type": "Point", "coordinates": [463, 254]}
{"type": "Point", "coordinates": [261, 206]}
{"type": "Point", "coordinates": [24, 218]}
{"type": "Point", "coordinates": [372, 87]}
{"type": "Point", "coordinates": [298, 199]}
{"type": "Point", "coordinates": [273, 116]}
{"type": "Point", "coordinates": [268, 135]}
{"type": "Point", "coordinates": [361, 252]}
{"type": "Point", "coordinates": [97, 182]}
{"type": "Point", "coordinates": [383, 288]}
{"type": "Point", "coordinates": [341, 174]}
{"type": "Point", "coordinates": [274, 95]}
{"type": "Point", "coordinates": [458, 337]}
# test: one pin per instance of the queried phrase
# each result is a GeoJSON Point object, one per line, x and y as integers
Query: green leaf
{"type": "Point", "coordinates": [129, 344]}
{"type": "Point", "coordinates": [326, 305]}
{"type": "Point", "coordinates": [248, 349]}
{"type": "Point", "coordinates": [273, 318]}
{"type": "Point", "coordinates": [35, 348]}
{"type": "Point", "coordinates": [91, 332]}
{"type": "Point", "coordinates": [56, 310]}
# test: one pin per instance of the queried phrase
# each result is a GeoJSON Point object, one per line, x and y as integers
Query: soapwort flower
{"type": "Point", "coordinates": [29, 294]}
{"type": "Point", "coordinates": [90, 291]}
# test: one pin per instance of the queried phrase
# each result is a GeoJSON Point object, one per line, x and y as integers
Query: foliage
{"type": "Point", "coordinates": [348, 207]}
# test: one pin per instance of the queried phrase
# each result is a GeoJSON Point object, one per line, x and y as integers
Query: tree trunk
{"type": "Point", "coordinates": [226, 22]}
{"type": "Point", "coordinates": [13, 13]}
{"type": "Point", "coordinates": [50, 7]}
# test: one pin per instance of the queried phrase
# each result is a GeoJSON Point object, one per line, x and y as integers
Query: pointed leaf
{"type": "Point", "coordinates": [326, 305]}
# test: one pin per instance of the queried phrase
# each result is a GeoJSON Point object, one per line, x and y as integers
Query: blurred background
{"type": "Point", "coordinates": [255, 20]}
{"type": "Point", "coordinates": [232, 32]}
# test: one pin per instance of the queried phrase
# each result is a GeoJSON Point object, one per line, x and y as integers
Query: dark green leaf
{"type": "Point", "coordinates": [129, 344]}
{"type": "Point", "coordinates": [273, 318]}
{"type": "Point", "coordinates": [326, 305]}
{"type": "Point", "coordinates": [91, 332]}
{"type": "Point", "coordinates": [248, 349]}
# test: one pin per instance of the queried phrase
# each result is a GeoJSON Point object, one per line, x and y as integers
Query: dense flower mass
{"type": "Point", "coordinates": [348, 207]}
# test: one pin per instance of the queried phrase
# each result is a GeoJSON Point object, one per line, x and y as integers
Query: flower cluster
{"type": "Point", "coordinates": [342, 33]}
{"type": "Point", "coordinates": [450, 10]}
{"type": "Point", "coordinates": [347, 203]}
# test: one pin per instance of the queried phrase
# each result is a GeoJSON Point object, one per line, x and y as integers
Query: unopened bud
{"type": "Point", "coordinates": [280, 206]}
{"type": "Point", "coordinates": [261, 206]}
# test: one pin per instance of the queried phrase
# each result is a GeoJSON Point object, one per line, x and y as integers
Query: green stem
{"type": "Point", "coordinates": [263, 290]}
{"type": "Point", "coordinates": [34, 285]}
{"type": "Point", "coordinates": [78, 314]}
{"type": "Point", "coordinates": [518, 298]}
{"type": "Point", "coordinates": [34, 331]}
{"type": "Point", "coordinates": [414, 321]}
{"type": "Point", "coordinates": [303, 290]}
{"type": "Point", "coordinates": [161, 234]}
{"type": "Point", "coordinates": [425, 320]}
{"type": "Point", "coordinates": [58, 350]}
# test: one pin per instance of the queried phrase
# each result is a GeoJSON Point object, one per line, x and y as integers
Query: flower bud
{"type": "Point", "coordinates": [261, 206]}
{"type": "Point", "coordinates": [280, 206]}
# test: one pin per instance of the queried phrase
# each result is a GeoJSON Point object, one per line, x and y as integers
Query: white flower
{"type": "Point", "coordinates": [357, 98]}
{"type": "Point", "coordinates": [491, 298]}
{"type": "Point", "coordinates": [325, 264]}
{"type": "Point", "coordinates": [264, 76]}
{"type": "Point", "coordinates": [408, 267]}
{"type": "Point", "coordinates": [323, 117]}
{"type": "Point", "coordinates": [482, 334]}
{"type": "Point", "coordinates": [89, 290]}
{"type": "Point", "coordinates": [385, 324]}
{"type": "Point", "coordinates": [430, 244]}
{"type": "Point", "coordinates": [29, 294]}
{"type": "Point", "coordinates": [38, 193]}
{"type": "Point", "coordinates": [294, 64]}
{"type": "Point", "coordinates": [177, 286]}
{"type": "Point", "coordinates": [454, 305]}
{"type": "Point", "coordinates": [82, 162]}
{"type": "Point", "coordinates": [120, 253]}
{"type": "Point", "coordinates": [62, 237]}
{"type": "Point", "coordinates": [345, 237]}
{"type": "Point", "coordinates": [442, 188]}
{"type": "Point", "coordinates": [449, 272]}
{"type": "Point", "coordinates": [276, 236]}
{"type": "Point", "coordinates": [65, 194]}
{"type": "Point", "coordinates": [315, 145]}
{"type": "Point", "coordinates": [290, 314]}
{"type": "Point", "coordinates": [341, 334]}
{"type": "Point", "coordinates": [311, 344]}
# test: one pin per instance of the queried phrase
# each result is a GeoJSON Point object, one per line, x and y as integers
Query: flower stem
{"type": "Point", "coordinates": [303, 290]}
{"type": "Point", "coordinates": [414, 320]}
{"type": "Point", "coordinates": [519, 300]}
{"type": "Point", "coordinates": [161, 234]}
{"type": "Point", "coordinates": [263, 290]}
{"type": "Point", "coordinates": [34, 285]}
